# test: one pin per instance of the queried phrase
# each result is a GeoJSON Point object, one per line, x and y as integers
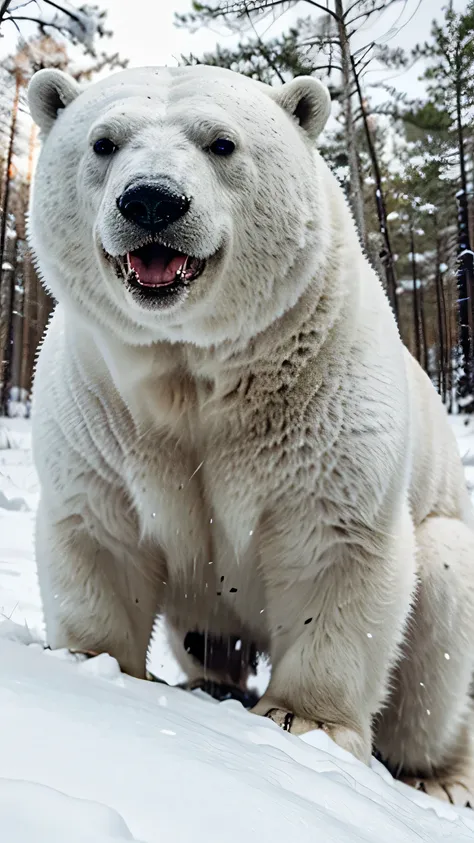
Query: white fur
{"type": "Point", "coordinates": [269, 434]}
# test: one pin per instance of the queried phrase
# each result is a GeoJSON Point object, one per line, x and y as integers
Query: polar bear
{"type": "Point", "coordinates": [227, 428]}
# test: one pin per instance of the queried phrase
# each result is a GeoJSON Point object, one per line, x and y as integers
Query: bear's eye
{"type": "Point", "coordinates": [104, 146]}
{"type": "Point", "coordinates": [222, 146]}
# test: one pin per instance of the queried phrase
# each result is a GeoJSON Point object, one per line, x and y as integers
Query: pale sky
{"type": "Point", "coordinates": [144, 30]}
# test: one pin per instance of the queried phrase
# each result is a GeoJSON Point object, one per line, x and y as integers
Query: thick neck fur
{"type": "Point", "coordinates": [179, 378]}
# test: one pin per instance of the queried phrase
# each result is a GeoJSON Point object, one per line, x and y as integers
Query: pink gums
{"type": "Point", "coordinates": [157, 273]}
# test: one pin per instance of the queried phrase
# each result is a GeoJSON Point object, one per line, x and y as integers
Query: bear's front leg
{"type": "Point", "coordinates": [336, 619]}
{"type": "Point", "coordinates": [99, 595]}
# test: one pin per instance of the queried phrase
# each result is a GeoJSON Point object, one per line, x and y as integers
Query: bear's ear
{"type": "Point", "coordinates": [308, 101]}
{"type": "Point", "coordinates": [49, 92]}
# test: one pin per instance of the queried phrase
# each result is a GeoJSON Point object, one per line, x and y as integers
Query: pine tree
{"type": "Point", "coordinates": [450, 84]}
{"type": "Point", "coordinates": [325, 42]}
{"type": "Point", "coordinates": [423, 225]}
{"type": "Point", "coordinates": [441, 129]}
{"type": "Point", "coordinates": [21, 297]}
{"type": "Point", "coordinates": [82, 25]}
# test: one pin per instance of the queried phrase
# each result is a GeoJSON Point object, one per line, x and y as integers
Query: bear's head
{"type": "Point", "coordinates": [182, 204]}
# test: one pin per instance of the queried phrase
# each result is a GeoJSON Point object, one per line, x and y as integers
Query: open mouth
{"type": "Point", "coordinates": [158, 272]}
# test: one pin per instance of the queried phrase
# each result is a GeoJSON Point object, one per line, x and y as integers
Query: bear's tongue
{"type": "Point", "coordinates": [156, 266]}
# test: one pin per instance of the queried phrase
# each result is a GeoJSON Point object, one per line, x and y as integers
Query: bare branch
{"type": "Point", "coordinates": [328, 67]}
{"type": "Point", "coordinates": [265, 52]}
{"type": "Point", "coordinates": [4, 9]}
{"type": "Point", "coordinates": [243, 9]}
{"type": "Point", "coordinates": [41, 23]}
{"type": "Point", "coordinates": [318, 40]}
{"type": "Point", "coordinates": [324, 9]}
{"type": "Point", "coordinates": [68, 12]}
{"type": "Point", "coordinates": [369, 12]}
{"type": "Point", "coordinates": [13, 21]}
{"type": "Point", "coordinates": [361, 54]}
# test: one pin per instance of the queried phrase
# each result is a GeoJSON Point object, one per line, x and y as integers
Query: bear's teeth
{"type": "Point", "coordinates": [181, 273]}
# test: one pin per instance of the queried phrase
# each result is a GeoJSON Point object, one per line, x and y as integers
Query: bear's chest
{"type": "Point", "coordinates": [208, 458]}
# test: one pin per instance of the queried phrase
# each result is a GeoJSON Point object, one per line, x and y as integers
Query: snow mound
{"type": "Point", "coordinates": [15, 433]}
{"type": "Point", "coordinates": [102, 757]}
{"type": "Point", "coordinates": [13, 504]}
{"type": "Point", "coordinates": [32, 813]}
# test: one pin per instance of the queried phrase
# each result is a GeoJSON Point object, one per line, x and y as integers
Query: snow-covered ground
{"type": "Point", "coordinates": [88, 755]}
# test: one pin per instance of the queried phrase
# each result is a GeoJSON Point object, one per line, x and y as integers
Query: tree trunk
{"type": "Point", "coordinates": [470, 198]}
{"type": "Point", "coordinates": [4, 9]}
{"type": "Point", "coordinates": [439, 313]}
{"type": "Point", "coordinates": [387, 255]}
{"type": "Point", "coordinates": [356, 197]}
{"type": "Point", "coordinates": [464, 282]}
{"type": "Point", "coordinates": [7, 296]}
{"type": "Point", "coordinates": [8, 307]}
{"type": "Point", "coordinates": [28, 280]}
{"type": "Point", "coordinates": [465, 273]}
{"type": "Point", "coordinates": [416, 301]}
{"type": "Point", "coordinates": [25, 346]}
{"type": "Point", "coordinates": [424, 342]}
{"type": "Point", "coordinates": [448, 375]}
{"type": "Point", "coordinates": [451, 340]}
{"type": "Point", "coordinates": [17, 327]}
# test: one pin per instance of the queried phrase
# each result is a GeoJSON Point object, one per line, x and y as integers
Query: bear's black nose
{"type": "Point", "coordinates": [152, 206]}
